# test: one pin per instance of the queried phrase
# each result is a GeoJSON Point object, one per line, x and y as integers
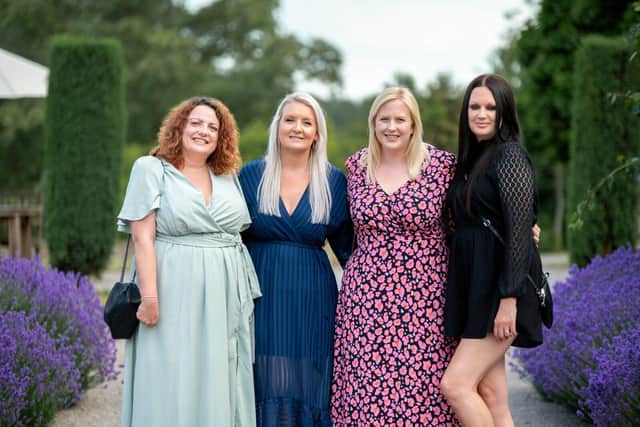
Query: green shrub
{"type": "Point", "coordinates": [254, 139]}
{"type": "Point", "coordinates": [21, 144]}
{"type": "Point", "coordinates": [132, 151]}
{"type": "Point", "coordinates": [85, 125]}
{"type": "Point", "coordinates": [602, 132]}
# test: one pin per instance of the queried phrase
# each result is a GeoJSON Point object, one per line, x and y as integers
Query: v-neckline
{"type": "Point", "coordinates": [396, 190]}
{"type": "Point", "coordinates": [404, 184]}
{"type": "Point", "coordinates": [202, 199]}
{"type": "Point", "coordinates": [295, 208]}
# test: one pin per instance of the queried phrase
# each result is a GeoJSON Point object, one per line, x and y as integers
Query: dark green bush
{"type": "Point", "coordinates": [603, 131]}
{"type": "Point", "coordinates": [21, 144]}
{"type": "Point", "coordinates": [85, 125]}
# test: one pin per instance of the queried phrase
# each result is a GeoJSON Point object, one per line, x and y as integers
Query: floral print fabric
{"type": "Point", "coordinates": [390, 348]}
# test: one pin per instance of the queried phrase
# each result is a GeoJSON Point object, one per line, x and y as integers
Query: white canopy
{"type": "Point", "coordinates": [21, 78]}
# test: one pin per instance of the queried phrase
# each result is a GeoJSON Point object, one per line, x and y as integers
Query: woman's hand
{"type": "Point", "coordinates": [148, 311]}
{"type": "Point", "coordinates": [536, 234]}
{"type": "Point", "coordinates": [504, 325]}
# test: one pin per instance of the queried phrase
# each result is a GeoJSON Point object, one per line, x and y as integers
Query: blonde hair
{"type": "Point", "coordinates": [319, 191]}
{"type": "Point", "coordinates": [416, 152]}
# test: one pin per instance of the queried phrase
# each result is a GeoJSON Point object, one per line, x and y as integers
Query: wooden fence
{"type": "Point", "coordinates": [22, 212]}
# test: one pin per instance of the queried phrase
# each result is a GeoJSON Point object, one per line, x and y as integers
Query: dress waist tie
{"type": "Point", "coordinates": [249, 288]}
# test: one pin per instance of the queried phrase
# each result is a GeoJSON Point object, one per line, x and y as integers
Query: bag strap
{"type": "Point", "coordinates": [124, 261]}
{"type": "Point", "coordinates": [126, 249]}
{"type": "Point", "coordinates": [487, 223]}
{"type": "Point", "coordinates": [540, 291]}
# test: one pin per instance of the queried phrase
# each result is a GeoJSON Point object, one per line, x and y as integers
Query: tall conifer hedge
{"type": "Point", "coordinates": [85, 124]}
{"type": "Point", "coordinates": [603, 129]}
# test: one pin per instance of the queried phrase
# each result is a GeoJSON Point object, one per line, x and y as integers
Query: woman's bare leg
{"type": "Point", "coordinates": [495, 393]}
{"type": "Point", "coordinates": [471, 363]}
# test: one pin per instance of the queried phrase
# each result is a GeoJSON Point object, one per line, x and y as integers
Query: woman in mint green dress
{"type": "Point", "coordinates": [190, 362]}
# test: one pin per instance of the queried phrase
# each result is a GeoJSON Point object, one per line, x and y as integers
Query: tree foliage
{"type": "Point", "coordinates": [230, 49]}
{"type": "Point", "coordinates": [602, 132]}
{"type": "Point", "coordinates": [21, 143]}
{"type": "Point", "coordinates": [545, 50]}
{"type": "Point", "coordinates": [86, 125]}
{"type": "Point", "coordinates": [538, 59]}
{"type": "Point", "coordinates": [440, 107]}
{"type": "Point", "coordinates": [634, 39]}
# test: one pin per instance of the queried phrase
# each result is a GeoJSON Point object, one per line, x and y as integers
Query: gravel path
{"type": "Point", "coordinates": [100, 407]}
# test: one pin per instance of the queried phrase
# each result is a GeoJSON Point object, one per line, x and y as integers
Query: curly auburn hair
{"type": "Point", "coordinates": [225, 158]}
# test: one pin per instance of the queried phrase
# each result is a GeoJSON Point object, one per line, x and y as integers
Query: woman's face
{"type": "Point", "coordinates": [482, 113]}
{"type": "Point", "coordinates": [200, 135]}
{"type": "Point", "coordinates": [297, 128]}
{"type": "Point", "coordinates": [393, 125]}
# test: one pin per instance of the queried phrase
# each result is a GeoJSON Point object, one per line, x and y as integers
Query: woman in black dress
{"type": "Point", "coordinates": [487, 304]}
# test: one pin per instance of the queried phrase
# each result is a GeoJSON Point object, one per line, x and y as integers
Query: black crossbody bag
{"type": "Point", "coordinates": [122, 304]}
{"type": "Point", "coordinates": [538, 278]}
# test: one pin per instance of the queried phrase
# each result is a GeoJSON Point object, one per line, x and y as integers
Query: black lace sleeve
{"type": "Point", "coordinates": [516, 188]}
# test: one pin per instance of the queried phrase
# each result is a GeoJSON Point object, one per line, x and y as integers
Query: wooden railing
{"type": "Point", "coordinates": [22, 211]}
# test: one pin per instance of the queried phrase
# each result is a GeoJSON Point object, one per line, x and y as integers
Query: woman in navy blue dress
{"type": "Point", "coordinates": [297, 201]}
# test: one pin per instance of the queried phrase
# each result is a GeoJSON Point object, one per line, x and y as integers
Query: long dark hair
{"type": "Point", "coordinates": [507, 124]}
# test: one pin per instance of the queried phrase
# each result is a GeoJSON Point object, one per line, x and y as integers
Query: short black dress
{"type": "Point", "coordinates": [481, 269]}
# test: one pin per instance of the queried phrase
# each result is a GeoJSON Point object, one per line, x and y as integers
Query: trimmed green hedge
{"type": "Point", "coordinates": [603, 130]}
{"type": "Point", "coordinates": [85, 125]}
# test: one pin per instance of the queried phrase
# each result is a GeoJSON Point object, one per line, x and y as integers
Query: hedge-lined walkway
{"type": "Point", "coordinates": [100, 407]}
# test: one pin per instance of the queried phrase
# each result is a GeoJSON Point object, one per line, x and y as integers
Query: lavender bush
{"type": "Point", "coordinates": [36, 373]}
{"type": "Point", "coordinates": [594, 307]}
{"type": "Point", "coordinates": [613, 393]}
{"type": "Point", "coordinates": [67, 307]}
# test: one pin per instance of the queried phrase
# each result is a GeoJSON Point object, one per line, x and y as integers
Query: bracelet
{"type": "Point", "coordinates": [149, 297]}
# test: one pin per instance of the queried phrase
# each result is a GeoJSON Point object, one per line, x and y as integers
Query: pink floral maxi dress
{"type": "Point", "coordinates": [390, 348]}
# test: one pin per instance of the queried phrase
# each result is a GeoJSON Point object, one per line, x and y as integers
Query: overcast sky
{"type": "Point", "coordinates": [420, 37]}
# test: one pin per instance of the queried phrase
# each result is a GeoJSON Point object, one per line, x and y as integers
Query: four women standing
{"type": "Point", "coordinates": [392, 321]}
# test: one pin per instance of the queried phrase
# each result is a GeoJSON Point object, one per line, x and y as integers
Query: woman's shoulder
{"type": "Point", "coordinates": [336, 176]}
{"type": "Point", "coordinates": [441, 157]}
{"type": "Point", "coordinates": [253, 169]}
{"type": "Point", "coordinates": [356, 161]}
{"type": "Point", "coordinates": [148, 165]}
{"type": "Point", "coordinates": [253, 165]}
{"type": "Point", "coordinates": [511, 150]}
{"type": "Point", "coordinates": [334, 170]}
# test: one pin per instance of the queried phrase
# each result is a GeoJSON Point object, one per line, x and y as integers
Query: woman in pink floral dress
{"type": "Point", "coordinates": [390, 348]}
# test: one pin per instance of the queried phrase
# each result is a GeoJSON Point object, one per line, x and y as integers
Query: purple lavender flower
{"type": "Point", "coordinates": [67, 306]}
{"type": "Point", "coordinates": [593, 306]}
{"type": "Point", "coordinates": [613, 393]}
{"type": "Point", "coordinates": [36, 373]}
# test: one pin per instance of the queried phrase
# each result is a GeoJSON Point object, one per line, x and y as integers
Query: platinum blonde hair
{"type": "Point", "coordinates": [416, 152]}
{"type": "Point", "coordinates": [319, 191]}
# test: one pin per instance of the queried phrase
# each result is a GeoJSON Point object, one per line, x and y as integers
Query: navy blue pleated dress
{"type": "Point", "coordinates": [294, 319]}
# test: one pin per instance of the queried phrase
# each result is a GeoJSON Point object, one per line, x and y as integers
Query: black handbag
{"type": "Point", "coordinates": [538, 278]}
{"type": "Point", "coordinates": [122, 305]}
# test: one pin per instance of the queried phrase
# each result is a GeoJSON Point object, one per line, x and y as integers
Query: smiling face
{"type": "Point", "coordinates": [393, 125]}
{"type": "Point", "coordinates": [200, 135]}
{"type": "Point", "coordinates": [297, 128]}
{"type": "Point", "coordinates": [482, 113]}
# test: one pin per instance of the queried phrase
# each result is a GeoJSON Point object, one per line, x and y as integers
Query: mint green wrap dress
{"type": "Point", "coordinates": [194, 367]}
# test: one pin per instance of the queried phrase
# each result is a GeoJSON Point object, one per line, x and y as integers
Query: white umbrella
{"type": "Point", "coordinates": [21, 78]}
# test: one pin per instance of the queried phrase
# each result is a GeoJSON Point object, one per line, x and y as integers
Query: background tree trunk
{"type": "Point", "coordinates": [558, 207]}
